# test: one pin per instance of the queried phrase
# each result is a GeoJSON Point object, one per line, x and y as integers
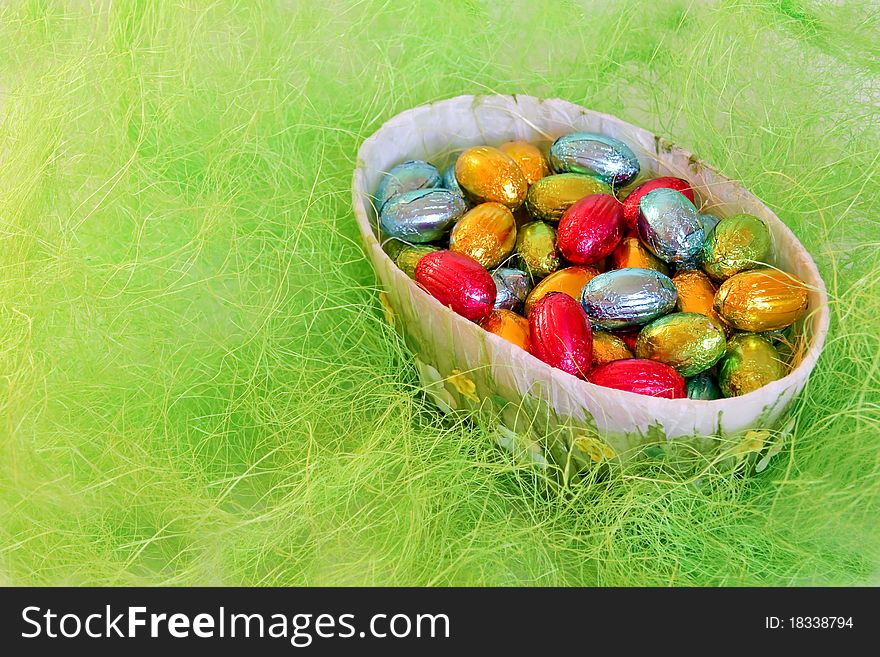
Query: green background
{"type": "Point", "coordinates": [196, 382]}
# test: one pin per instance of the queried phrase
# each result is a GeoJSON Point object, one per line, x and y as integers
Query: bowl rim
{"type": "Point", "coordinates": [800, 374]}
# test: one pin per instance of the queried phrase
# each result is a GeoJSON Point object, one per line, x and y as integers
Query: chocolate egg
{"type": "Point", "coordinates": [631, 202]}
{"type": "Point", "coordinates": [409, 257]}
{"type": "Point", "coordinates": [608, 347]}
{"type": "Point", "coordinates": [738, 243]}
{"type": "Point", "coordinates": [560, 334]}
{"type": "Point", "coordinates": [529, 158]}
{"type": "Point", "coordinates": [703, 386]}
{"type": "Point", "coordinates": [696, 294]}
{"type": "Point", "coordinates": [627, 297]}
{"type": "Point", "coordinates": [487, 233]}
{"type": "Point", "coordinates": [689, 342]}
{"type": "Point", "coordinates": [458, 282]}
{"type": "Point", "coordinates": [670, 226]}
{"type": "Point", "coordinates": [406, 177]}
{"type": "Point", "coordinates": [590, 229]}
{"type": "Point", "coordinates": [761, 300]}
{"type": "Point", "coordinates": [607, 158]}
{"type": "Point", "coordinates": [536, 248]}
{"type": "Point", "coordinates": [632, 253]}
{"type": "Point", "coordinates": [422, 215]}
{"type": "Point", "coordinates": [551, 196]}
{"type": "Point", "coordinates": [570, 281]}
{"type": "Point", "coordinates": [488, 174]}
{"type": "Point", "coordinates": [508, 325]}
{"type": "Point", "coordinates": [511, 288]}
{"type": "Point", "coordinates": [751, 362]}
{"type": "Point", "coordinates": [644, 377]}
{"type": "Point", "coordinates": [449, 182]}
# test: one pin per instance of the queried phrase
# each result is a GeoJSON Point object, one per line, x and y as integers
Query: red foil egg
{"type": "Point", "coordinates": [458, 282]}
{"type": "Point", "coordinates": [561, 335]}
{"type": "Point", "coordinates": [631, 202]}
{"type": "Point", "coordinates": [590, 229]}
{"type": "Point", "coordinates": [642, 376]}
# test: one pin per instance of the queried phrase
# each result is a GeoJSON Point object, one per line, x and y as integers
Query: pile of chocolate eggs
{"type": "Point", "coordinates": [627, 286]}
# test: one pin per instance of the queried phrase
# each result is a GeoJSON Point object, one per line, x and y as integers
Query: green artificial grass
{"type": "Point", "coordinates": [196, 382]}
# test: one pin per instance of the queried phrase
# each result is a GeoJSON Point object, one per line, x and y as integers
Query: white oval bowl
{"type": "Point", "coordinates": [465, 365]}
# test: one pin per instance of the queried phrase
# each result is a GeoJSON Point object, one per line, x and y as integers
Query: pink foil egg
{"type": "Point", "coordinates": [642, 376]}
{"type": "Point", "coordinates": [561, 335]}
{"type": "Point", "coordinates": [458, 282]}
{"type": "Point", "coordinates": [590, 229]}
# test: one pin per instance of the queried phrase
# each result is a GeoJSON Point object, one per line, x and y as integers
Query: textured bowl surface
{"type": "Point", "coordinates": [465, 366]}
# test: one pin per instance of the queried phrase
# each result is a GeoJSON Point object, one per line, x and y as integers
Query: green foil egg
{"type": "Point", "coordinates": [408, 257]}
{"type": "Point", "coordinates": [689, 342]}
{"type": "Point", "coordinates": [737, 243]}
{"type": "Point", "coordinates": [751, 362]}
{"type": "Point", "coordinates": [551, 196]}
{"type": "Point", "coordinates": [703, 386]}
{"type": "Point", "coordinates": [536, 249]}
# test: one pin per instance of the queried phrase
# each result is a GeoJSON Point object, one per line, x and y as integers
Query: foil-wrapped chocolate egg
{"type": "Point", "coordinates": [409, 257]}
{"type": "Point", "coordinates": [631, 202]}
{"type": "Point", "coordinates": [449, 182]}
{"type": "Point", "coordinates": [529, 158]}
{"type": "Point", "coordinates": [738, 243]}
{"type": "Point", "coordinates": [508, 325]}
{"type": "Point", "coordinates": [629, 335]}
{"type": "Point", "coordinates": [607, 158]}
{"type": "Point", "coordinates": [458, 282]}
{"type": "Point", "coordinates": [487, 233]}
{"type": "Point", "coordinates": [644, 377]}
{"type": "Point", "coordinates": [511, 288]}
{"type": "Point", "coordinates": [590, 229]}
{"type": "Point", "coordinates": [703, 386]}
{"type": "Point", "coordinates": [488, 174]}
{"type": "Point", "coordinates": [570, 281]}
{"type": "Point", "coordinates": [627, 297]}
{"type": "Point", "coordinates": [608, 347]}
{"type": "Point", "coordinates": [670, 226]}
{"type": "Point", "coordinates": [536, 249]}
{"type": "Point", "coordinates": [689, 342]}
{"type": "Point", "coordinates": [708, 221]}
{"type": "Point", "coordinates": [406, 177]}
{"type": "Point", "coordinates": [759, 300]}
{"type": "Point", "coordinates": [751, 362]}
{"type": "Point", "coordinates": [560, 334]}
{"type": "Point", "coordinates": [422, 215]}
{"type": "Point", "coordinates": [551, 196]}
{"type": "Point", "coordinates": [632, 253]}
{"type": "Point", "coordinates": [696, 294]}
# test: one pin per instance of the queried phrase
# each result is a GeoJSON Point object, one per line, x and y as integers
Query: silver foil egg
{"type": "Point", "coordinates": [670, 226]}
{"type": "Point", "coordinates": [627, 297]}
{"type": "Point", "coordinates": [406, 177]}
{"type": "Point", "coordinates": [421, 215]}
{"type": "Point", "coordinates": [606, 158]}
{"type": "Point", "coordinates": [513, 286]}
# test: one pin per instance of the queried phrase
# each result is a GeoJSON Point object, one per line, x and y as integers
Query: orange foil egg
{"type": "Point", "coordinates": [696, 294]}
{"type": "Point", "coordinates": [570, 281]}
{"type": "Point", "coordinates": [508, 325]}
{"type": "Point", "coordinates": [607, 348]}
{"type": "Point", "coordinates": [632, 253]}
{"type": "Point", "coordinates": [529, 158]}
{"type": "Point", "coordinates": [487, 233]}
{"type": "Point", "coordinates": [760, 300]}
{"type": "Point", "coordinates": [489, 174]}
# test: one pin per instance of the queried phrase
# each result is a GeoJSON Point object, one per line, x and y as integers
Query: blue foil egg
{"type": "Point", "coordinates": [449, 181]}
{"type": "Point", "coordinates": [606, 158]}
{"type": "Point", "coordinates": [406, 177]}
{"type": "Point", "coordinates": [421, 215]}
{"type": "Point", "coordinates": [627, 297]}
{"type": "Point", "coordinates": [513, 286]}
{"type": "Point", "coordinates": [670, 226]}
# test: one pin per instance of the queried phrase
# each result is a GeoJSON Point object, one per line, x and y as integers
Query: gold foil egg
{"type": "Point", "coordinates": [487, 233]}
{"type": "Point", "coordinates": [751, 362]}
{"type": "Point", "coordinates": [551, 196]}
{"type": "Point", "coordinates": [632, 253]}
{"type": "Point", "coordinates": [489, 174]}
{"type": "Point", "coordinates": [529, 158]}
{"type": "Point", "coordinates": [508, 325]}
{"type": "Point", "coordinates": [696, 294]}
{"type": "Point", "coordinates": [570, 281]}
{"type": "Point", "coordinates": [536, 248]}
{"type": "Point", "coordinates": [689, 342]}
{"type": "Point", "coordinates": [608, 347]}
{"type": "Point", "coordinates": [408, 257]}
{"type": "Point", "coordinates": [761, 300]}
{"type": "Point", "coordinates": [737, 243]}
